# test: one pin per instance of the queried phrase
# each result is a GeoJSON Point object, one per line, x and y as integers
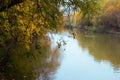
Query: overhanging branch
{"type": "Point", "coordinates": [4, 4]}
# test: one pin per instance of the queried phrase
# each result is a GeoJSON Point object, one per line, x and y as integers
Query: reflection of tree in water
{"type": "Point", "coordinates": [40, 66]}
{"type": "Point", "coordinates": [49, 69]}
{"type": "Point", "coordinates": [102, 47]}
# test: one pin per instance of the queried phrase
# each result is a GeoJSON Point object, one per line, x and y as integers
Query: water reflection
{"type": "Point", "coordinates": [102, 47]}
{"type": "Point", "coordinates": [90, 57]}
{"type": "Point", "coordinates": [39, 66]}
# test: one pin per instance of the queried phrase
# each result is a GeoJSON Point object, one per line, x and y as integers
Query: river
{"type": "Point", "coordinates": [85, 56]}
{"type": "Point", "coordinates": [88, 57]}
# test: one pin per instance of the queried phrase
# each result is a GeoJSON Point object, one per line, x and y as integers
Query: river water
{"type": "Point", "coordinates": [87, 57]}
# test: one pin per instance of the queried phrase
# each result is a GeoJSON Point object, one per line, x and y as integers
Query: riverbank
{"type": "Point", "coordinates": [109, 31]}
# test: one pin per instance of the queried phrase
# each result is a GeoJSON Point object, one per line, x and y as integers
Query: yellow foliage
{"type": "Point", "coordinates": [23, 23]}
{"type": "Point", "coordinates": [41, 22]}
{"type": "Point", "coordinates": [35, 15]}
{"type": "Point", "coordinates": [75, 18]}
{"type": "Point", "coordinates": [27, 47]}
{"type": "Point", "coordinates": [18, 7]}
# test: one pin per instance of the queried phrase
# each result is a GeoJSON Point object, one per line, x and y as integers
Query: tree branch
{"type": "Point", "coordinates": [4, 4]}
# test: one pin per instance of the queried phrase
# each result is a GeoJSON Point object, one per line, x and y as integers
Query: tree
{"type": "Point", "coordinates": [21, 21]}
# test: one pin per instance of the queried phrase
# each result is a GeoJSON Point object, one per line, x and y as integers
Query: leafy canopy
{"type": "Point", "coordinates": [21, 21]}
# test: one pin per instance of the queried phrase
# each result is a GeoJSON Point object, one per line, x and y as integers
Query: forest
{"type": "Point", "coordinates": [107, 19]}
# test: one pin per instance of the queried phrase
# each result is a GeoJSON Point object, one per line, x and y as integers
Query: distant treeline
{"type": "Point", "coordinates": [107, 19]}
